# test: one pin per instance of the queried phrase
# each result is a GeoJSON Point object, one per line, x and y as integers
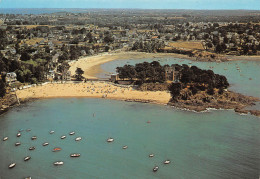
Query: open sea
{"type": "Point", "coordinates": [219, 144]}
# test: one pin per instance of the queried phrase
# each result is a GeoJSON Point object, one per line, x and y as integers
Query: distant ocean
{"type": "Point", "coordinates": [40, 10]}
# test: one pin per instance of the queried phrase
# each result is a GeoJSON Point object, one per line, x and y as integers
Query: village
{"type": "Point", "coordinates": [38, 48]}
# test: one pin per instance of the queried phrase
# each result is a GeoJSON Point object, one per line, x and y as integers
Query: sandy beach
{"type": "Point", "coordinates": [91, 65]}
{"type": "Point", "coordinates": [93, 90]}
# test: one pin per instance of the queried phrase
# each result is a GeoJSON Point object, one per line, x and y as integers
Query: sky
{"type": "Point", "coordinates": [142, 4]}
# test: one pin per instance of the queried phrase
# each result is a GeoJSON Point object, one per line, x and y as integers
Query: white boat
{"type": "Point", "coordinates": [78, 139]}
{"type": "Point", "coordinates": [51, 132]}
{"type": "Point", "coordinates": [63, 137]}
{"type": "Point", "coordinates": [12, 165]}
{"type": "Point", "coordinates": [5, 138]}
{"type": "Point", "coordinates": [167, 162]}
{"type": "Point", "coordinates": [45, 144]}
{"type": "Point", "coordinates": [18, 134]}
{"type": "Point", "coordinates": [17, 143]}
{"type": "Point", "coordinates": [72, 133]}
{"type": "Point", "coordinates": [31, 148]}
{"type": "Point", "coordinates": [27, 158]}
{"type": "Point", "coordinates": [34, 138]}
{"type": "Point", "coordinates": [125, 147]}
{"type": "Point", "coordinates": [28, 178]}
{"type": "Point", "coordinates": [58, 163]}
{"type": "Point", "coordinates": [110, 139]}
{"type": "Point", "coordinates": [75, 155]}
{"type": "Point", "coordinates": [155, 169]}
{"type": "Point", "coordinates": [151, 155]}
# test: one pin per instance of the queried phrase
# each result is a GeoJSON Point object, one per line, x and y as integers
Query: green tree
{"type": "Point", "coordinates": [79, 72]}
{"type": "Point", "coordinates": [2, 88]}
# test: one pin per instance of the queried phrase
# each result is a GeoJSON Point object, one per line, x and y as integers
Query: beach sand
{"type": "Point", "coordinates": [93, 90]}
{"type": "Point", "coordinates": [91, 65]}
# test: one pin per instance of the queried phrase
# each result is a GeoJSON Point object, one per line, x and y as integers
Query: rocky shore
{"type": "Point", "coordinates": [8, 101]}
{"type": "Point", "coordinates": [228, 100]}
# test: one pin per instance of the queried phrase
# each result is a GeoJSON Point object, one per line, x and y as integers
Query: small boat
{"type": "Point", "coordinates": [151, 155]}
{"type": "Point", "coordinates": [17, 143]}
{"type": "Point", "coordinates": [63, 137]}
{"type": "Point", "coordinates": [110, 139]}
{"type": "Point", "coordinates": [148, 122]}
{"type": "Point", "coordinates": [31, 148]}
{"type": "Point", "coordinates": [45, 144]}
{"type": "Point", "coordinates": [27, 158]}
{"type": "Point", "coordinates": [78, 139]}
{"type": "Point", "coordinates": [58, 163]}
{"type": "Point", "coordinates": [125, 147]}
{"type": "Point", "coordinates": [56, 149]}
{"type": "Point", "coordinates": [28, 178]}
{"type": "Point", "coordinates": [155, 169]}
{"type": "Point", "coordinates": [75, 155]}
{"type": "Point", "coordinates": [72, 133]}
{"type": "Point", "coordinates": [12, 165]}
{"type": "Point", "coordinates": [5, 138]}
{"type": "Point", "coordinates": [34, 138]}
{"type": "Point", "coordinates": [167, 162]}
{"type": "Point", "coordinates": [18, 134]}
{"type": "Point", "coordinates": [51, 132]}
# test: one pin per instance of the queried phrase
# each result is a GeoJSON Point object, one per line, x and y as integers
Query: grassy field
{"type": "Point", "coordinates": [32, 41]}
{"type": "Point", "coordinates": [192, 45]}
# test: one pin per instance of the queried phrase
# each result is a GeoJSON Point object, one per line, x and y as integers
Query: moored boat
{"type": "Point", "coordinates": [74, 155]}
{"type": "Point", "coordinates": [51, 132]}
{"type": "Point", "coordinates": [28, 178]}
{"type": "Point", "coordinates": [63, 137]}
{"type": "Point", "coordinates": [17, 143]}
{"type": "Point", "coordinates": [45, 144]}
{"type": "Point", "coordinates": [58, 163]}
{"type": "Point", "coordinates": [34, 138]}
{"type": "Point", "coordinates": [155, 169]}
{"type": "Point", "coordinates": [12, 165]}
{"type": "Point", "coordinates": [110, 139]}
{"type": "Point", "coordinates": [151, 155]}
{"type": "Point", "coordinates": [78, 139]}
{"type": "Point", "coordinates": [72, 133]}
{"type": "Point", "coordinates": [5, 138]}
{"type": "Point", "coordinates": [32, 148]}
{"type": "Point", "coordinates": [56, 149]}
{"type": "Point", "coordinates": [125, 147]}
{"type": "Point", "coordinates": [27, 158]}
{"type": "Point", "coordinates": [18, 134]}
{"type": "Point", "coordinates": [167, 162]}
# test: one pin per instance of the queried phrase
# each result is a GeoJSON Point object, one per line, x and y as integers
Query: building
{"type": "Point", "coordinates": [10, 77]}
{"type": "Point", "coordinates": [114, 78]}
{"type": "Point", "coordinates": [171, 74]}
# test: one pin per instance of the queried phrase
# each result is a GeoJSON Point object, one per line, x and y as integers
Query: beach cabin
{"type": "Point", "coordinates": [114, 78]}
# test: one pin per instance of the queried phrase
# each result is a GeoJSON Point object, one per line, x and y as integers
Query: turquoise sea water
{"type": "Point", "coordinates": [245, 81]}
{"type": "Point", "coordinates": [218, 144]}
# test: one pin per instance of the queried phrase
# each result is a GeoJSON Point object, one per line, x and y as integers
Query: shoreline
{"type": "Point", "coordinates": [91, 65]}
{"type": "Point", "coordinates": [106, 90]}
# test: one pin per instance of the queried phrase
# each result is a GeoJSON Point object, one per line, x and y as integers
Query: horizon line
{"type": "Point", "coordinates": [126, 8]}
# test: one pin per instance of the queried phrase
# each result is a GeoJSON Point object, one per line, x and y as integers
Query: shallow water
{"type": "Point", "coordinates": [219, 144]}
{"type": "Point", "coordinates": [245, 81]}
